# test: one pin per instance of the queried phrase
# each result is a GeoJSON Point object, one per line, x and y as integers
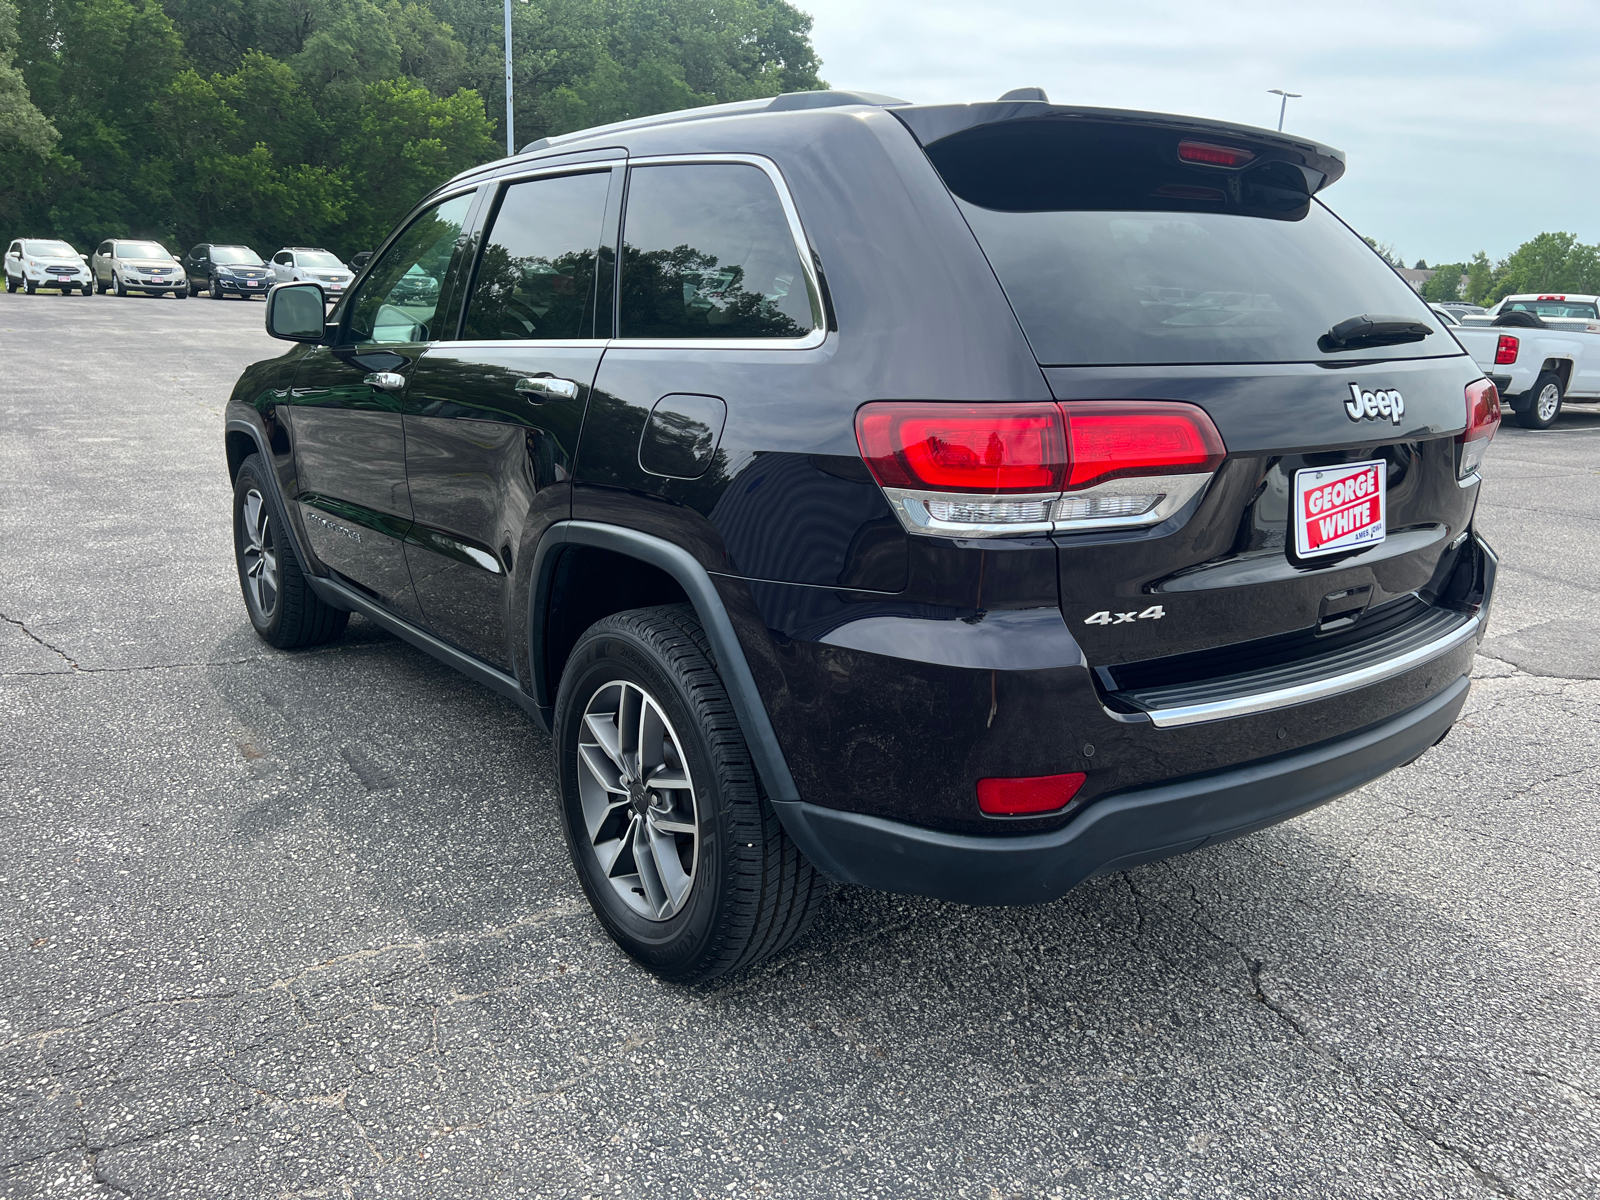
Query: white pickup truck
{"type": "Point", "coordinates": [1539, 350]}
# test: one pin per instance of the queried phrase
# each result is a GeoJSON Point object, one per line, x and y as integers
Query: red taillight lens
{"type": "Point", "coordinates": [1029, 795]}
{"type": "Point", "coordinates": [987, 448]}
{"type": "Point", "coordinates": [1505, 352]}
{"type": "Point", "coordinates": [1483, 418]}
{"type": "Point", "coordinates": [1112, 439]}
{"type": "Point", "coordinates": [1213, 155]}
{"type": "Point", "coordinates": [1483, 410]}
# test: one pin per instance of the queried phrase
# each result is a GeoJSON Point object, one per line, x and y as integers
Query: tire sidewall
{"type": "Point", "coordinates": [674, 946]}
{"type": "Point", "coordinates": [1529, 416]}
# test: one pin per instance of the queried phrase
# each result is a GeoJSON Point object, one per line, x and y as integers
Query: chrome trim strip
{"type": "Point", "coordinates": [1320, 689]}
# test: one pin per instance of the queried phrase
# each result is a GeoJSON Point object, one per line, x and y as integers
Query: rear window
{"type": "Point", "coordinates": [1552, 308]}
{"type": "Point", "coordinates": [1112, 251]}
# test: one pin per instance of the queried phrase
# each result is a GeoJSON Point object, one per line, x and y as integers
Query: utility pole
{"type": "Point", "coordinates": [511, 136]}
{"type": "Point", "coordinates": [1287, 96]}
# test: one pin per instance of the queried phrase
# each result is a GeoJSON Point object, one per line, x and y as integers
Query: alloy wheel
{"type": "Point", "coordinates": [259, 555]}
{"type": "Point", "coordinates": [638, 800]}
{"type": "Point", "coordinates": [1549, 401]}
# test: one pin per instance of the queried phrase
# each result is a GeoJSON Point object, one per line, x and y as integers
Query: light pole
{"type": "Point", "coordinates": [511, 137]}
{"type": "Point", "coordinates": [1287, 96]}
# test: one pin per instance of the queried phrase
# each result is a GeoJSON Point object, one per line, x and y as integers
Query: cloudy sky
{"type": "Point", "coordinates": [1468, 126]}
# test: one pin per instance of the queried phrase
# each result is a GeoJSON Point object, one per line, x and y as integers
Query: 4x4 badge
{"type": "Point", "coordinates": [1369, 406]}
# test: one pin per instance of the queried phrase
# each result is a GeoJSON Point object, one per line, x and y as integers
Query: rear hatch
{"type": "Point", "coordinates": [1155, 258]}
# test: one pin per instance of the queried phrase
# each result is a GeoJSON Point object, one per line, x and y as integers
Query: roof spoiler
{"type": "Point", "coordinates": [932, 123]}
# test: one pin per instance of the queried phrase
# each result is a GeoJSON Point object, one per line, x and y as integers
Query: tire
{"type": "Point", "coordinates": [88, 289]}
{"type": "Point", "coordinates": [1542, 404]}
{"type": "Point", "coordinates": [181, 294]}
{"type": "Point", "coordinates": [118, 286]}
{"type": "Point", "coordinates": [11, 284]}
{"type": "Point", "coordinates": [747, 892]}
{"type": "Point", "coordinates": [216, 290]}
{"type": "Point", "coordinates": [284, 610]}
{"type": "Point", "coordinates": [30, 287]}
{"type": "Point", "coordinates": [102, 288]}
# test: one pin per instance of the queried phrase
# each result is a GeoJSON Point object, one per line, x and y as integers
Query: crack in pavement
{"type": "Point", "coordinates": [53, 649]}
{"type": "Point", "coordinates": [554, 912]}
{"type": "Point", "coordinates": [1485, 1176]}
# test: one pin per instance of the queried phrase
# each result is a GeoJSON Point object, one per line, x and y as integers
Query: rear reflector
{"type": "Point", "coordinates": [1483, 419]}
{"type": "Point", "coordinates": [1212, 155]}
{"type": "Point", "coordinates": [1505, 352]}
{"type": "Point", "coordinates": [982, 470]}
{"type": "Point", "coordinates": [1029, 795]}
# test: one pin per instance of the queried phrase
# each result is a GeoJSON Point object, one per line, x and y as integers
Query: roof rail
{"type": "Point", "coordinates": [787, 102]}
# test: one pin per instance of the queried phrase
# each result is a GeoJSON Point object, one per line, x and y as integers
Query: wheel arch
{"type": "Point", "coordinates": [575, 563]}
{"type": "Point", "coordinates": [1561, 368]}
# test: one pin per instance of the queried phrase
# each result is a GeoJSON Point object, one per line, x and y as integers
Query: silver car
{"type": "Point", "coordinates": [317, 265]}
{"type": "Point", "coordinates": [138, 266]}
{"type": "Point", "coordinates": [33, 263]}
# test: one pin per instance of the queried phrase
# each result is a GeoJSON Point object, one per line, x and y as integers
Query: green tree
{"type": "Point", "coordinates": [1445, 284]}
{"type": "Point", "coordinates": [26, 135]}
{"type": "Point", "coordinates": [1550, 262]}
{"type": "Point", "coordinates": [1480, 278]}
{"type": "Point", "coordinates": [1386, 252]}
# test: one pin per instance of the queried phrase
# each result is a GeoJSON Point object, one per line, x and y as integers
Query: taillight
{"type": "Point", "coordinates": [1505, 352]}
{"type": "Point", "coordinates": [982, 470]}
{"type": "Point", "coordinates": [1483, 418]}
{"type": "Point", "coordinates": [1212, 155]}
{"type": "Point", "coordinates": [1030, 795]}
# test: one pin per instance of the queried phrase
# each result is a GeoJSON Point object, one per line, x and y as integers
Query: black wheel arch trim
{"type": "Point", "coordinates": [308, 563]}
{"type": "Point", "coordinates": [731, 663]}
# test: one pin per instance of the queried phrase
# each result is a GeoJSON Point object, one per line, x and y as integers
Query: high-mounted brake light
{"type": "Point", "coordinates": [1505, 352]}
{"type": "Point", "coordinates": [1483, 418]}
{"type": "Point", "coordinates": [1552, 297]}
{"type": "Point", "coordinates": [1031, 795]}
{"type": "Point", "coordinates": [1210, 155]}
{"type": "Point", "coordinates": [983, 470]}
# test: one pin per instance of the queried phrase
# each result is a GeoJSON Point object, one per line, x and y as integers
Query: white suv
{"type": "Point", "coordinates": [310, 263]}
{"type": "Point", "coordinates": [33, 263]}
{"type": "Point", "coordinates": [137, 266]}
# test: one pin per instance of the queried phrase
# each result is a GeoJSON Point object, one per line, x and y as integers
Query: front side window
{"type": "Point", "coordinates": [537, 274]}
{"type": "Point", "coordinates": [105, 250]}
{"type": "Point", "coordinates": [708, 253]}
{"type": "Point", "coordinates": [399, 298]}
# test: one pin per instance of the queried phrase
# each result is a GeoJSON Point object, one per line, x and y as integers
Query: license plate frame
{"type": "Point", "coordinates": [1340, 509]}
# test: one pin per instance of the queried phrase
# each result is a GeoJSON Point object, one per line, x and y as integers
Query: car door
{"type": "Point", "coordinates": [196, 267]}
{"type": "Point", "coordinates": [492, 419]}
{"type": "Point", "coordinates": [14, 261]}
{"type": "Point", "coordinates": [101, 267]}
{"type": "Point", "coordinates": [349, 443]}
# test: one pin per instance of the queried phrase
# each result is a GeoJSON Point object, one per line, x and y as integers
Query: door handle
{"type": "Point", "coordinates": [548, 387]}
{"type": "Point", "coordinates": [386, 381]}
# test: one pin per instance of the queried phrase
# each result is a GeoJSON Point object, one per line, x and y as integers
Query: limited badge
{"type": "Point", "coordinates": [1338, 509]}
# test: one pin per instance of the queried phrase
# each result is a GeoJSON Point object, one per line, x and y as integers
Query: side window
{"type": "Point", "coordinates": [707, 252]}
{"type": "Point", "coordinates": [399, 297]}
{"type": "Point", "coordinates": [536, 276]}
{"type": "Point", "coordinates": [283, 259]}
{"type": "Point", "coordinates": [105, 250]}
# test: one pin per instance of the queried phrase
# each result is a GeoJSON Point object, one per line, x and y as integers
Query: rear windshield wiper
{"type": "Point", "coordinates": [1364, 330]}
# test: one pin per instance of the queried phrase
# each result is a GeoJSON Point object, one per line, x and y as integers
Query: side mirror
{"type": "Point", "coordinates": [85, 257]}
{"type": "Point", "coordinates": [296, 312]}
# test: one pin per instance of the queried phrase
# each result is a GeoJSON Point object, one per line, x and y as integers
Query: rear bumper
{"type": "Point", "coordinates": [1118, 831]}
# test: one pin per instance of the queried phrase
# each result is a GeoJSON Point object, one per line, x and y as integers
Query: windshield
{"type": "Point", "coordinates": [1192, 287]}
{"type": "Point", "coordinates": [320, 258]}
{"type": "Point", "coordinates": [140, 250]}
{"type": "Point", "coordinates": [41, 249]}
{"type": "Point", "coordinates": [241, 255]}
{"type": "Point", "coordinates": [1552, 308]}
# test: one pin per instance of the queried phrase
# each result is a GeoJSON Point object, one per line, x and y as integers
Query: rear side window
{"type": "Point", "coordinates": [1112, 251]}
{"type": "Point", "coordinates": [708, 252]}
{"type": "Point", "coordinates": [536, 276]}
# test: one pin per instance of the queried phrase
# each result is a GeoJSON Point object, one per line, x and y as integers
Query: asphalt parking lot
{"type": "Point", "coordinates": [283, 925]}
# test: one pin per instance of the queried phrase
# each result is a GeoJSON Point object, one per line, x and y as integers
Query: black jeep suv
{"type": "Point", "coordinates": [962, 500]}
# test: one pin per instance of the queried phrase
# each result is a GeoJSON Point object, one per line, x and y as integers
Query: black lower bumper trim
{"type": "Point", "coordinates": [1118, 831]}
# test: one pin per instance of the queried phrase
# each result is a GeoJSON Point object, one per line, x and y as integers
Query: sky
{"type": "Point", "coordinates": [1467, 126]}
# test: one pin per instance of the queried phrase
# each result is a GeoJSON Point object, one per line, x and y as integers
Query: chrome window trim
{"type": "Point", "coordinates": [1320, 689]}
{"type": "Point", "coordinates": [527, 343]}
{"type": "Point", "coordinates": [816, 337]}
